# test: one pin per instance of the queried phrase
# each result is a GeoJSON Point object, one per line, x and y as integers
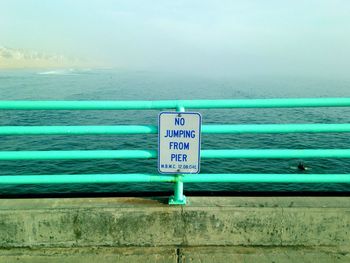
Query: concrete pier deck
{"type": "Point", "coordinates": [208, 229]}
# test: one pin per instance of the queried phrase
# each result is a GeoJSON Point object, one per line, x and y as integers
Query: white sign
{"type": "Point", "coordinates": [179, 142]}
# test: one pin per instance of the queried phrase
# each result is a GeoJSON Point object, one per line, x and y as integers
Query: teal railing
{"type": "Point", "coordinates": [179, 179]}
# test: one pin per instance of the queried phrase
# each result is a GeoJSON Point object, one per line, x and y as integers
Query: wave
{"type": "Point", "coordinates": [65, 72]}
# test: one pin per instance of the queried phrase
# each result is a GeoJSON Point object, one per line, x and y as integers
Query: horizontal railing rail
{"type": "Point", "coordinates": [172, 104]}
{"type": "Point", "coordinates": [178, 179]}
{"type": "Point", "coordinates": [152, 154]}
{"type": "Point", "coordinates": [151, 129]}
{"type": "Point", "coordinates": [188, 178]}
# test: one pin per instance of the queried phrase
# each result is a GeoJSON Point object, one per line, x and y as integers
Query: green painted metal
{"type": "Point", "coordinates": [78, 155]}
{"type": "Point", "coordinates": [276, 128]}
{"type": "Point", "coordinates": [173, 200]}
{"type": "Point", "coordinates": [188, 178]}
{"type": "Point", "coordinates": [267, 178]}
{"type": "Point", "coordinates": [277, 153]}
{"type": "Point", "coordinates": [78, 130]}
{"type": "Point", "coordinates": [178, 198]}
{"type": "Point", "coordinates": [86, 178]}
{"type": "Point", "coordinates": [172, 104]}
{"type": "Point", "coordinates": [150, 129]}
{"type": "Point", "coordinates": [151, 154]}
{"type": "Point", "coordinates": [179, 179]}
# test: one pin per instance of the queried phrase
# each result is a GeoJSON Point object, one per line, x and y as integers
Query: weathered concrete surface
{"type": "Point", "coordinates": [89, 255]}
{"type": "Point", "coordinates": [171, 255]}
{"type": "Point", "coordinates": [263, 255]}
{"type": "Point", "coordinates": [299, 225]}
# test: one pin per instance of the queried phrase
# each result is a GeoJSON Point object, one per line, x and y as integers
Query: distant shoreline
{"type": "Point", "coordinates": [11, 58]}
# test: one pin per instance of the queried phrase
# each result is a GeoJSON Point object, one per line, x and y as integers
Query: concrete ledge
{"type": "Point", "coordinates": [222, 224]}
{"type": "Point", "coordinates": [183, 255]}
{"type": "Point", "coordinates": [89, 255]}
{"type": "Point", "coordinates": [263, 255]}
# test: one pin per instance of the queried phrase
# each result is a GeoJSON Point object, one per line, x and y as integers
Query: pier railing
{"type": "Point", "coordinates": [178, 179]}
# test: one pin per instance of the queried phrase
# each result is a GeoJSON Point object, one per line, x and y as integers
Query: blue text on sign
{"type": "Point", "coordinates": [178, 157]}
{"type": "Point", "coordinates": [179, 145]}
{"type": "Point", "coordinates": [180, 121]}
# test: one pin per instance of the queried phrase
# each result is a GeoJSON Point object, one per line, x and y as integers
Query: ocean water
{"type": "Point", "coordinates": [127, 85]}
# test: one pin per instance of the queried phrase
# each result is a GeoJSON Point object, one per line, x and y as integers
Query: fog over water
{"type": "Point", "coordinates": [218, 38]}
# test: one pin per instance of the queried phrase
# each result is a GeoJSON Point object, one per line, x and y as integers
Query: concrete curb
{"type": "Point", "coordinates": [149, 223]}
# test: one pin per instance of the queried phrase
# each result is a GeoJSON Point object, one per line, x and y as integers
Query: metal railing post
{"type": "Point", "coordinates": [178, 198]}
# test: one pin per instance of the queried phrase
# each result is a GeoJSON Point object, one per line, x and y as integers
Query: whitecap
{"type": "Point", "coordinates": [60, 72]}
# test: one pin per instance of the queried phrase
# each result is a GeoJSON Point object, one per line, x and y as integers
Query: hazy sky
{"type": "Point", "coordinates": [207, 37]}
